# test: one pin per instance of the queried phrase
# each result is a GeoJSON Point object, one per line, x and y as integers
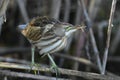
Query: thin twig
{"type": "Point", "coordinates": [27, 75]}
{"type": "Point", "coordinates": [78, 13]}
{"type": "Point", "coordinates": [11, 60]}
{"type": "Point", "coordinates": [86, 75]}
{"type": "Point", "coordinates": [96, 52]}
{"type": "Point", "coordinates": [55, 9]}
{"type": "Point", "coordinates": [3, 8]}
{"type": "Point", "coordinates": [93, 8]}
{"type": "Point", "coordinates": [89, 23]}
{"type": "Point", "coordinates": [105, 56]}
{"type": "Point", "coordinates": [23, 10]}
{"type": "Point", "coordinates": [67, 10]}
{"type": "Point", "coordinates": [6, 59]}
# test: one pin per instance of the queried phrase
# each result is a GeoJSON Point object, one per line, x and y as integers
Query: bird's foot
{"type": "Point", "coordinates": [32, 65]}
{"type": "Point", "coordinates": [54, 68]}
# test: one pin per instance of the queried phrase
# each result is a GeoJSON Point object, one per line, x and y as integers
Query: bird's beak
{"type": "Point", "coordinates": [80, 27]}
{"type": "Point", "coordinates": [22, 27]}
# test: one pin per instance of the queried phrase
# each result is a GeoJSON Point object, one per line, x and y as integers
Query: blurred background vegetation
{"type": "Point", "coordinates": [15, 46]}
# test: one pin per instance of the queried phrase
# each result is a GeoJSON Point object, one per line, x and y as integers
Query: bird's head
{"type": "Point", "coordinates": [24, 29]}
{"type": "Point", "coordinates": [37, 24]}
{"type": "Point", "coordinates": [30, 32]}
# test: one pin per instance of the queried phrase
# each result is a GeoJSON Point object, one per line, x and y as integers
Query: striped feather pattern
{"type": "Point", "coordinates": [47, 34]}
{"type": "Point", "coordinates": [44, 42]}
{"type": "Point", "coordinates": [55, 46]}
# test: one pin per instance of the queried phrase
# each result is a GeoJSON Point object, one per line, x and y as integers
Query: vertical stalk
{"type": "Point", "coordinates": [110, 25]}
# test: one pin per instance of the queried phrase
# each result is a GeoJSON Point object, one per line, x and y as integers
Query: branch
{"type": "Point", "coordinates": [23, 10]}
{"type": "Point", "coordinates": [55, 9]}
{"type": "Point", "coordinates": [94, 6]}
{"type": "Point", "coordinates": [67, 10]}
{"type": "Point", "coordinates": [3, 8]}
{"type": "Point", "coordinates": [105, 56]}
{"type": "Point", "coordinates": [78, 13]}
{"type": "Point", "coordinates": [86, 75]}
{"type": "Point", "coordinates": [27, 75]}
{"type": "Point", "coordinates": [95, 49]}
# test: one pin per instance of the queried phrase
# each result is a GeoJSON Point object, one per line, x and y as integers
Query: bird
{"type": "Point", "coordinates": [48, 35]}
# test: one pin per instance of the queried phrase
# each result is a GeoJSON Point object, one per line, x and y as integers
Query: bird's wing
{"type": "Point", "coordinates": [48, 27]}
{"type": "Point", "coordinates": [43, 21]}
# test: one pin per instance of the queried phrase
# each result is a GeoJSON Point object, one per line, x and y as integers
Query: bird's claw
{"type": "Point", "coordinates": [32, 65]}
{"type": "Point", "coordinates": [55, 69]}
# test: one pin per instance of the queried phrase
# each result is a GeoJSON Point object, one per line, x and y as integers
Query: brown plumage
{"type": "Point", "coordinates": [44, 29]}
{"type": "Point", "coordinates": [48, 35]}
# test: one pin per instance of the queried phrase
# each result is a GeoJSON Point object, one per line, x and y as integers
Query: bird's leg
{"type": "Point", "coordinates": [33, 54]}
{"type": "Point", "coordinates": [33, 59]}
{"type": "Point", "coordinates": [54, 66]}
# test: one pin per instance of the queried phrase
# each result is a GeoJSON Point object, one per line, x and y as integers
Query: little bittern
{"type": "Point", "coordinates": [48, 35]}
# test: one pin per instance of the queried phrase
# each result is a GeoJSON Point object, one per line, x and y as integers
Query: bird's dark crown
{"type": "Point", "coordinates": [42, 21]}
